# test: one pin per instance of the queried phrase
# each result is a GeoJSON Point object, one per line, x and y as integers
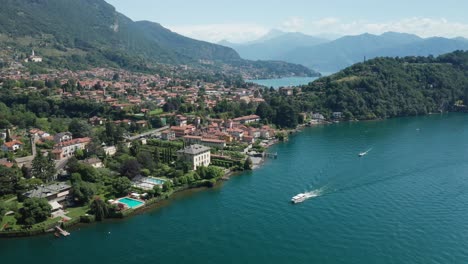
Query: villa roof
{"type": "Point", "coordinates": [45, 191]}
{"type": "Point", "coordinates": [194, 149]}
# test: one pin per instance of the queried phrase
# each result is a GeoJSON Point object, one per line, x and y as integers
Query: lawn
{"type": "Point", "coordinates": [77, 211]}
{"type": "Point", "coordinates": [156, 112]}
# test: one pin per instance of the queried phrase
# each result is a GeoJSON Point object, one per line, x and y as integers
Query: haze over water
{"type": "Point", "coordinates": [405, 202]}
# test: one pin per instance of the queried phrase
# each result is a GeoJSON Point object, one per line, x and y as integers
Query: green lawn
{"type": "Point", "coordinates": [156, 112]}
{"type": "Point", "coordinates": [77, 211]}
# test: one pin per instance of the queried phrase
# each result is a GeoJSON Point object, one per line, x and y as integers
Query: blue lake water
{"type": "Point", "coordinates": [284, 82]}
{"type": "Point", "coordinates": [405, 202]}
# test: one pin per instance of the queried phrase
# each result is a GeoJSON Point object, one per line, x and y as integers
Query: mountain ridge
{"type": "Point", "coordinates": [94, 33]}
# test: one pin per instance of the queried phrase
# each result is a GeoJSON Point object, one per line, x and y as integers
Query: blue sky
{"type": "Point", "coordinates": [244, 20]}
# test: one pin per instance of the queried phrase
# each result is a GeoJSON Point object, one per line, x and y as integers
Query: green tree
{"type": "Point", "coordinates": [130, 168]}
{"type": "Point", "coordinates": [34, 210]}
{"type": "Point", "coordinates": [99, 208]}
{"type": "Point", "coordinates": [43, 167]}
{"type": "Point", "coordinates": [248, 164]}
{"type": "Point", "coordinates": [167, 186]}
{"type": "Point", "coordinates": [9, 179]}
{"type": "Point", "coordinates": [121, 186]}
{"type": "Point", "coordinates": [80, 128]}
{"type": "Point", "coordinates": [82, 192]}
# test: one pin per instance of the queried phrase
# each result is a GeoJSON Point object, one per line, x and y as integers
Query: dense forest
{"type": "Point", "coordinates": [392, 87]}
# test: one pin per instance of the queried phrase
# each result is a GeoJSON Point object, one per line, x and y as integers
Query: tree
{"type": "Point", "coordinates": [80, 128]}
{"type": "Point", "coordinates": [213, 172]}
{"type": "Point", "coordinates": [43, 167]}
{"type": "Point", "coordinates": [3, 211]}
{"type": "Point", "coordinates": [167, 186]}
{"type": "Point", "coordinates": [82, 192]}
{"type": "Point", "coordinates": [99, 208]}
{"type": "Point", "coordinates": [34, 210]}
{"type": "Point", "coordinates": [157, 191]}
{"type": "Point", "coordinates": [130, 168]}
{"type": "Point", "coordinates": [121, 186]}
{"type": "Point", "coordinates": [9, 179]}
{"type": "Point", "coordinates": [248, 164]}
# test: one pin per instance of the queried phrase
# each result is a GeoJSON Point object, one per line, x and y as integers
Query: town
{"type": "Point", "coordinates": [100, 143]}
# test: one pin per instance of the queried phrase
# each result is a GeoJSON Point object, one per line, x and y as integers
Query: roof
{"type": "Point", "coordinates": [194, 149]}
{"type": "Point", "coordinates": [12, 143]}
{"type": "Point", "coordinates": [92, 161]}
{"type": "Point", "coordinates": [47, 190]}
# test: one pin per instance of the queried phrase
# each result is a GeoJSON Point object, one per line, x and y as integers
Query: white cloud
{"type": "Point", "coordinates": [293, 24]}
{"type": "Point", "coordinates": [424, 27]}
{"type": "Point", "coordinates": [236, 33]}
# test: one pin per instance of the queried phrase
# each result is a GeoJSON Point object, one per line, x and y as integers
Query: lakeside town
{"type": "Point", "coordinates": [121, 141]}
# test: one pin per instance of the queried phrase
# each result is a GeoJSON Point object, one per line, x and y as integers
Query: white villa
{"type": "Point", "coordinates": [197, 155]}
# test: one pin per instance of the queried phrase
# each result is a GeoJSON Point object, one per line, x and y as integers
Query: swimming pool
{"type": "Point", "coordinates": [131, 203]}
{"type": "Point", "coordinates": [155, 181]}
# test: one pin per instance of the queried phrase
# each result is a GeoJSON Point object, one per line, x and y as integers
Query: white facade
{"type": "Point", "coordinates": [197, 155]}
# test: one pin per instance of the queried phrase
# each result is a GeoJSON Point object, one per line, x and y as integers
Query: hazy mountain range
{"type": "Point", "coordinates": [95, 33]}
{"type": "Point", "coordinates": [333, 55]}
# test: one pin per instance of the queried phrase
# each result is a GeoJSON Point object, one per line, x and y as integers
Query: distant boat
{"type": "Point", "coordinates": [303, 196]}
{"type": "Point", "coordinates": [362, 154]}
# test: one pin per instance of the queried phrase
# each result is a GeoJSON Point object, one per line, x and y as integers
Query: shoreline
{"type": "Point", "coordinates": [154, 203]}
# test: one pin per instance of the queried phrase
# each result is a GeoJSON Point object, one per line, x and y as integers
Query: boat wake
{"type": "Point", "coordinates": [307, 195]}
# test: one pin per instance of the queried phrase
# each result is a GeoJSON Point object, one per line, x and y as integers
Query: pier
{"type": "Point", "coordinates": [61, 231]}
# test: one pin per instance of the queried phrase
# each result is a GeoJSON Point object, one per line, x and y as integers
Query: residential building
{"type": "Point", "coordinates": [168, 135]}
{"type": "Point", "coordinates": [247, 119]}
{"type": "Point", "coordinates": [94, 162]}
{"type": "Point", "coordinates": [67, 149]}
{"type": "Point", "coordinates": [197, 155]}
{"type": "Point", "coordinates": [12, 146]}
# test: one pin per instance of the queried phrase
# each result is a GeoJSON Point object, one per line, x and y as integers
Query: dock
{"type": "Point", "coordinates": [62, 232]}
{"type": "Point", "coordinates": [271, 155]}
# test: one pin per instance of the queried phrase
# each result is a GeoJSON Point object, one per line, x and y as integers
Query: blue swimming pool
{"type": "Point", "coordinates": [156, 181]}
{"type": "Point", "coordinates": [132, 203]}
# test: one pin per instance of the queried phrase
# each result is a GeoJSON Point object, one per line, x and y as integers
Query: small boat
{"type": "Point", "coordinates": [362, 154]}
{"type": "Point", "coordinates": [303, 196]}
{"type": "Point", "coordinates": [299, 198]}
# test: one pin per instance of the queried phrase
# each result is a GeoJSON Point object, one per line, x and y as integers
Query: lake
{"type": "Point", "coordinates": [284, 82]}
{"type": "Point", "coordinates": [405, 202]}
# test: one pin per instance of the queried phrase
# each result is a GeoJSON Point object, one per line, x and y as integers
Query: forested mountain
{"type": "Point", "coordinates": [343, 52]}
{"type": "Point", "coordinates": [391, 87]}
{"type": "Point", "coordinates": [331, 56]}
{"type": "Point", "coordinates": [94, 33]}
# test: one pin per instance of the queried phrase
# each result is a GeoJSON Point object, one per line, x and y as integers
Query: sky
{"type": "Point", "coordinates": [246, 20]}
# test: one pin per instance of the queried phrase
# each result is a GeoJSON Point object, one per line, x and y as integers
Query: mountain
{"type": "Point", "coordinates": [392, 87]}
{"type": "Point", "coordinates": [273, 44]}
{"type": "Point", "coordinates": [72, 33]}
{"type": "Point", "coordinates": [345, 51]}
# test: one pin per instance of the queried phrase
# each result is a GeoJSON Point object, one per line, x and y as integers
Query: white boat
{"type": "Point", "coordinates": [299, 198]}
{"type": "Point", "coordinates": [303, 196]}
{"type": "Point", "coordinates": [362, 154]}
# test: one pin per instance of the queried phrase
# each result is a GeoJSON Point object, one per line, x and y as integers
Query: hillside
{"type": "Point", "coordinates": [389, 87]}
{"type": "Point", "coordinates": [273, 45]}
{"type": "Point", "coordinates": [74, 33]}
{"type": "Point", "coordinates": [343, 52]}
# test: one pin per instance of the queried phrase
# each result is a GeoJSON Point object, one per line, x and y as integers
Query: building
{"type": "Point", "coordinates": [288, 91]}
{"type": "Point", "coordinates": [247, 119]}
{"type": "Point", "coordinates": [12, 146]}
{"type": "Point", "coordinates": [110, 151]}
{"type": "Point", "coordinates": [55, 193]}
{"type": "Point", "coordinates": [197, 155]}
{"type": "Point", "coordinates": [62, 137]}
{"type": "Point", "coordinates": [168, 135]}
{"type": "Point", "coordinates": [94, 162]}
{"type": "Point", "coordinates": [67, 149]}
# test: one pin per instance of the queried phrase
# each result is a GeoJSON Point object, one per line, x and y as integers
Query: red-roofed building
{"type": "Point", "coordinates": [12, 146]}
